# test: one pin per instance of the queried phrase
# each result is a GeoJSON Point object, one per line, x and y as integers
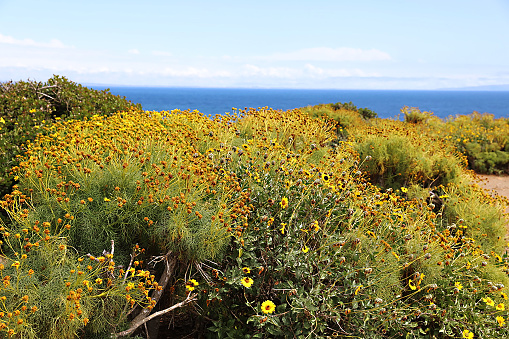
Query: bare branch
{"type": "Point", "coordinates": [47, 96]}
{"type": "Point", "coordinates": [190, 298]}
{"type": "Point", "coordinates": [170, 263]}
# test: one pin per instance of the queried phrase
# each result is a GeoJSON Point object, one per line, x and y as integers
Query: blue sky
{"type": "Point", "coordinates": [363, 44]}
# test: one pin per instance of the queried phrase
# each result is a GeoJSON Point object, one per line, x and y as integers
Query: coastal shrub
{"type": "Point", "coordinates": [26, 107]}
{"type": "Point", "coordinates": [414, 115]}
{"type": "Point", "coordinates": [49, 290]}
{"type": "Point", "coordinates": [404, 155]}
{"type": "Point", "coordinates": [483, 139]}
{"type": "Point", "coordinates": [262, 222]}
{"type": "Point", "coordinates": [326, 254]}
{"type": "Point", "coordinates": [343, 116]}
{"type": "Point", "coordinates": [137, 179]}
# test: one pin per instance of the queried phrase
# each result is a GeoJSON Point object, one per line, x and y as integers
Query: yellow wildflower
{"type": "Point", "coordinates": [282, 229]}
{"type": "Point", "coordinates": [247, 282]}
{"type": "Point", "coordinates": [191, 284]}
{"type": "Point", "coordinates": [458, 285]}
{"type": "Point", "coordinates": [488, 301]}
{"type": "Point", "coordinates": [501, 321]}
{"type": "Point", "coordinates": [467, 334]}
{"type": "Point", "coordinates": [284, 203]}
{"type": "Point", "coordinates": [268, 307]}
{"type": "Point", "coordinates": [305, 249]}
{"type": "Point", "coordinates": [500, 307]}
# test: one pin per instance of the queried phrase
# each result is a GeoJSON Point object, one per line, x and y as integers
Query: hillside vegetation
{"type": "Point", "coordinates": [317, 222]}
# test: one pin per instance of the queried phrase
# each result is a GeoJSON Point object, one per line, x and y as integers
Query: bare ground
{"type": "Point", "coordinates": [499, 185]}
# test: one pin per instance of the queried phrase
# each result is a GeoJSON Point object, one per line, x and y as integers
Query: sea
{"type": "Point", "coordinates": [386, 103]}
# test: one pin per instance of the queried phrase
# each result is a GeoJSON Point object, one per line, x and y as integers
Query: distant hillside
{"type": "Point", "coordinates": [480, 88]}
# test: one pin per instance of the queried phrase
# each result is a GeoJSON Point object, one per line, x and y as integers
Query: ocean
{"type": "Point", "coordinates": [386, 103]}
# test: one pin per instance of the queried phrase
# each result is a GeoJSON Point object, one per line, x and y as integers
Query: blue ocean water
{"type": "Point", "coordinates": [386, 103]}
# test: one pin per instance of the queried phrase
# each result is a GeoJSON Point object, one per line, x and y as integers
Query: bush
{"type": "Point", "coordinates": [26, 107]}
{"type": "Point", "coordinates": [256, 221]}
{"type": "Point", "coordinates": [326, 254]}
{"type": "Point", "coordinates": [414, 115]}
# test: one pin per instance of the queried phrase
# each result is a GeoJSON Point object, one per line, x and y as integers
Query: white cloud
{"type": "Point", "coordinates": [274, 72]}
{"type": "Point", "coordinates": [162, 53]}
{"type": "Point", "coordinates": [331, 54]}
{"type": "Point", "coordinates": [193, 72]}
{"type": "Point", "coordinates": [53, 43]}
{"type": "Point", "coordinates": [133, 51]}
{"type": "Point", "coordinates": [314, 71]}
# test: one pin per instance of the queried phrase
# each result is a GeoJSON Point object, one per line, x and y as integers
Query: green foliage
{"type": "Point", "coordinates": [414, 115]}
{"type": "Point", "coordinates": [313, 222]}
{"type": "Point", "coordinates": [26, 107]}
{"type": "Point", "coordinates": [404, 155]}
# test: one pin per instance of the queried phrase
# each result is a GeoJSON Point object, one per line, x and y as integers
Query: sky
{"type": "Point", "coordinates": [322, 44]}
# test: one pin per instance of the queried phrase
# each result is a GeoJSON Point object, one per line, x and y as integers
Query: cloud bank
{"type": "Point", "coordinates": [316, 67]}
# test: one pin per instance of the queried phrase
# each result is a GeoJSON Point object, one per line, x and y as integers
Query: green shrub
{"type": "Point", "coordinates": [414, 115]}
{"type": "Point", "coordinates": [260, 223]}
{"type": "Point", "coordinates": [26, 107]}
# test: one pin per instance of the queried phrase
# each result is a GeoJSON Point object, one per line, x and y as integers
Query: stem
{"type": "Point", "coordinates": [190, 297]}
{"type": "Point", "coordinates": [170, 263]}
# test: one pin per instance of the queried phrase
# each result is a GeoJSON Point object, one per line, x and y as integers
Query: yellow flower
{"type": "Point", "coordinates": [501, 321]}
{"type": "Point", "coordinates": [412, 286]}
{"type": "Point", "coordinates": [305, 249]}
{"type": "Point", "coordinates": [325, 177]}
{"type": "Point", "coordinates": [268, 307]}
{"type": "Point", "coordinates": [503, 295]}
{"type": "Point", "coordinates": [106, 199]}
{"type": "Point", "coordinates": [16, 264]}
{"type": "Point", "coordinates": [500, 307]}
{"type": "Point", "coordinates": [458, 285]}
{"type": "Point", "coordinates": [129, 286]}
{"type": "Point", "coordinates": [282, 229]}
{"type": "Point", "coordinates": [404, 189]}
{"type": "Point", "coordinates": [2, 120]}
{"type": "Point", "coordinates": [191, 284]}
{"type": "Point", "coordinates": [246, 270]}
{"type": "Point", "coordinates": [467, 334]}
{"type": "Point", "coordinates": [247, 282]}
{"type": "Point", "coordinates": [284, 203]}
{"type": "Point", "coordinates": [315, 225]}
{"type": "Point", "coordinates": [488, 301]}
{"type": "Point", "coordinates": [357, 290]}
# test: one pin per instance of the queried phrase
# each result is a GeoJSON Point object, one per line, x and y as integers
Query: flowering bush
{"type": "Point", "coordinates": [263, 224]}
{"type": "Point", "coordinates": [27, 106]}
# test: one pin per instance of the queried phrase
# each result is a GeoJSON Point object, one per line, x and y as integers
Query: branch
{"type": "Point", "coordinates": [190, 297]}
{"type": "Point", "coordinates": [47, 96]}
{"type": "Point", "coordinates": [170, 263]}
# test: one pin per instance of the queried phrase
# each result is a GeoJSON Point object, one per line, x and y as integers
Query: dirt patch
{"type": "Point", "coordinates": [499, 184]}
